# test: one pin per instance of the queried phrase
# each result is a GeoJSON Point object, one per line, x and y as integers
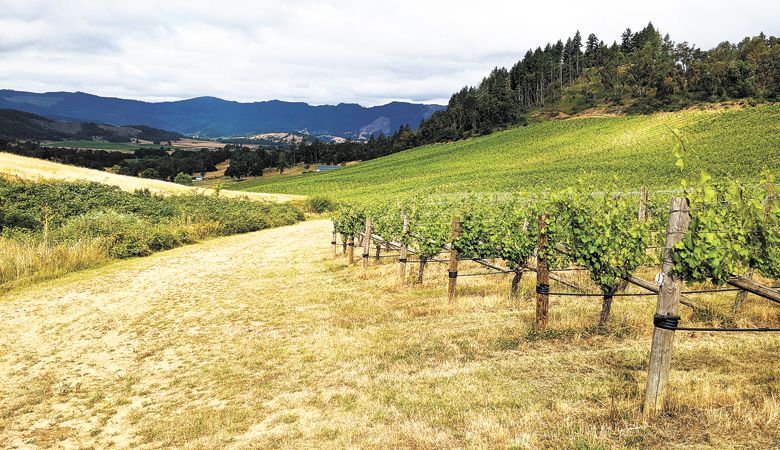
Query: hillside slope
{"type": "Point", "coordinates": [15, 124]}
{"type": "Point", "coordinates": [215, 117]}
{"type": "Point", "coordinates": [33, 168]}
{"type": "Point", "coordinates": [630, 151]}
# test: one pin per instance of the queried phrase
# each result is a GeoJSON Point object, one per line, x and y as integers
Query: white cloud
{"type": "Point", "coordinates": [368, 52]}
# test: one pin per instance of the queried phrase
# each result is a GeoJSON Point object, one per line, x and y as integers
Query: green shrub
{"type": "Point", "coordinates": [130, 224]}
{"type": "Point", "coordinates": [319, 204]}
{"type": "Point", "coordinates": [183, 179]}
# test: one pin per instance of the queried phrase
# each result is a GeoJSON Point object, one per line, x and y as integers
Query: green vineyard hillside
{"type": "Point", "coordinates": [601, 151]}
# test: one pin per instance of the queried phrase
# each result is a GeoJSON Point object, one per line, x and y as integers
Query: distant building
{"type": "Point", "coordinates": [198, 178]}
{"type": "Point", "coordinates": [325, 168]}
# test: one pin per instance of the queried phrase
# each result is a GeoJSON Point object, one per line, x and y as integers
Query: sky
{"type": "Point", "coordinates": [321, 52]}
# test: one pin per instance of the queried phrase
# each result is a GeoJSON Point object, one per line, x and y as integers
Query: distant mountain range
{"type": "Point", "coordinates": [16, 124]}
{"type": "Point", "coordinates": [213, 117]}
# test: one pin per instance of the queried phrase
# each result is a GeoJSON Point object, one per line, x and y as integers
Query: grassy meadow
{"type": "Point", "coordinates": [624, 151]}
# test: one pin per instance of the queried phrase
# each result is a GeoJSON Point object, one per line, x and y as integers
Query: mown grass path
{"type": "Point", "coordinates": [263, 340]}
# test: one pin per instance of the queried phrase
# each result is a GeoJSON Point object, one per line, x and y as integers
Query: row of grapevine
{"type": "Point", "coordinates": [716, 233]}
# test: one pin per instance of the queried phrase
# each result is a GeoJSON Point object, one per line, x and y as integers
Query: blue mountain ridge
{"type": "Point", "coordinates": [215, 117]}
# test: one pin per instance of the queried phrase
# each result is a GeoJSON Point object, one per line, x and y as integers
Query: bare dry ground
{"type": "Point", "coordinates": [266, 340]}
{"type": "Point", "coordinates": [34, 169]}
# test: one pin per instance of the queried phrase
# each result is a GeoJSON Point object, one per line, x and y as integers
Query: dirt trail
{"type": "Point", "coordinates": [79, 355]}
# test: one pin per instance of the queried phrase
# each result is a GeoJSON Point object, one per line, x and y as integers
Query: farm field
{"type": "Point", "coordinates": [33, 168]}
{"type": "Point", "coordinates": [274, 342]}
{"type": "Point", "coordinates": [628, 152]}
{"type": "Point", "coordinates": [104, 145]}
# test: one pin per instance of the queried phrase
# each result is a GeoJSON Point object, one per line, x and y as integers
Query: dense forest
{"type": "Point", "coordinates": [643, 72]}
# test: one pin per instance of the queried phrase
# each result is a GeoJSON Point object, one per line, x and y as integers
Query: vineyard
{"type": "Point", "coordinates": [627, 152]}
{"type": "Point", "coordinates": [709, 239]}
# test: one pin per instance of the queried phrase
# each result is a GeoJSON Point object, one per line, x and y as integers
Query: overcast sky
{"type": "Point", "coordinates": [320, 51]}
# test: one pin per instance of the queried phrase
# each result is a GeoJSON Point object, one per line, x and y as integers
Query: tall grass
{"type": "Point", "coordinates": [29, 259]}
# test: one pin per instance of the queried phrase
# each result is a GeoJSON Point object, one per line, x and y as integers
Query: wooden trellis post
{"type": "Point", "coordinates": [453, 268]}
{"type": "Point", "coordinates": [367, 245]}
{"type": "Point", "coordinates": [378, 249]}
{"type": "Point", "coordinates": [666, 308]}
{"type": "Point", "coordinates": [542, 277]}
{"type": "Point", "coordinates": [334, 243]}
{"type": "Point", "coordinates": [351, 250]}
{"type": "Point", "coordinates": [402, 254]}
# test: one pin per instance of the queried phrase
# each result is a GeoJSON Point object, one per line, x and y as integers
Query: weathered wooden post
{"type": "Point", "coordinates": [334, 243]}
{"type": "Point", "coordinates": [542, 277]}
{"type": "Point", "coordinates": [366, 245]}
{"type": "Point", "coordinates": [402, 253]}
{"type": "Point", "coordinates": [666, 312]}
{"type": "Point", "coordinates": [344, 238]}
{"type": "Point", "coordinates": [453, 268]}
{"type": "Point", "coordinates": [642, 216]}
{"type": "Point", "coordinates": [378, 249]}
{"type": "Point", "coordinates": [351, 250]}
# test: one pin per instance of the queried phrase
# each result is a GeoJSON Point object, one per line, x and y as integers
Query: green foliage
{"type": "Point", "coordinates": [498, 228]}
{"type": "Point", "coordinates": [183, 178]}
{"type": "Point", "coordinates": [130, 224]}
{"type": "Point", "coordinates": [319, 204]}
{"type": "Point", "coordinates": [150, 173]}
{"type": "Point", "coordinates": [604, 234]}
{"type": "Point", "coordinates": [349, 220]}
{"type": "Point", "coordinates": [732, 227]}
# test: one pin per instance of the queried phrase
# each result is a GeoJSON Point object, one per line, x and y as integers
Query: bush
{"type": "Point", "coordinates": [94, 218]}
{"type": "Point", "coordinates": [319, 204]}
{"type": "Point", "coordinates": [183, 179]}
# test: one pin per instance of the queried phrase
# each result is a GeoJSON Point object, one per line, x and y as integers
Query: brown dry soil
{"type": "Point", "coordinates": [265, 340]}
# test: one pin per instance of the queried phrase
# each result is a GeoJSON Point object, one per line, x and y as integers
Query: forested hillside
{"type": "Point", "coordinates": [639, 73]}
{"type": "Point", "coordinates": [643, 72]}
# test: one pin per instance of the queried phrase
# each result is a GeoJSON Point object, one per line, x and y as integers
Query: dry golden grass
{"type": "Point", "coordinates": [30, 260]}
{"type": "Point", "coordinates": [34, 169]}
{"type": "Point", "coordinates": [265, 340]}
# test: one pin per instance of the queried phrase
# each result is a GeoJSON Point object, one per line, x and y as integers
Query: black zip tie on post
{"type": "Point", "coordinates": [670, 322]}
{"type": "Point", "coordinates": [402, 260]}
{"type": "Point", "coordinates": [667, 322]}
{"type": "Point", "coordinates": [366, 255]}
{"type": "Point", "coordinates": [452, 274]}
{"type": "Point", "coordinates": [543, 289]}
{"type": "Point", "coordinates": [333, 242]}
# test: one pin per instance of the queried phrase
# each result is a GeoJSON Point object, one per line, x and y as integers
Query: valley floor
{"type": "Point", "coordinates": [266, 340]}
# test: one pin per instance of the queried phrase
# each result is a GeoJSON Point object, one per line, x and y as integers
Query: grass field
{"type": "Point", "coordinates": [105, 145]}
{"type": "Point", "coordinates": [33, 168]}
{"type": "Point", "coordinates": [271, 342]}
{"type": "Point", "coordinates": [631, 151]}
